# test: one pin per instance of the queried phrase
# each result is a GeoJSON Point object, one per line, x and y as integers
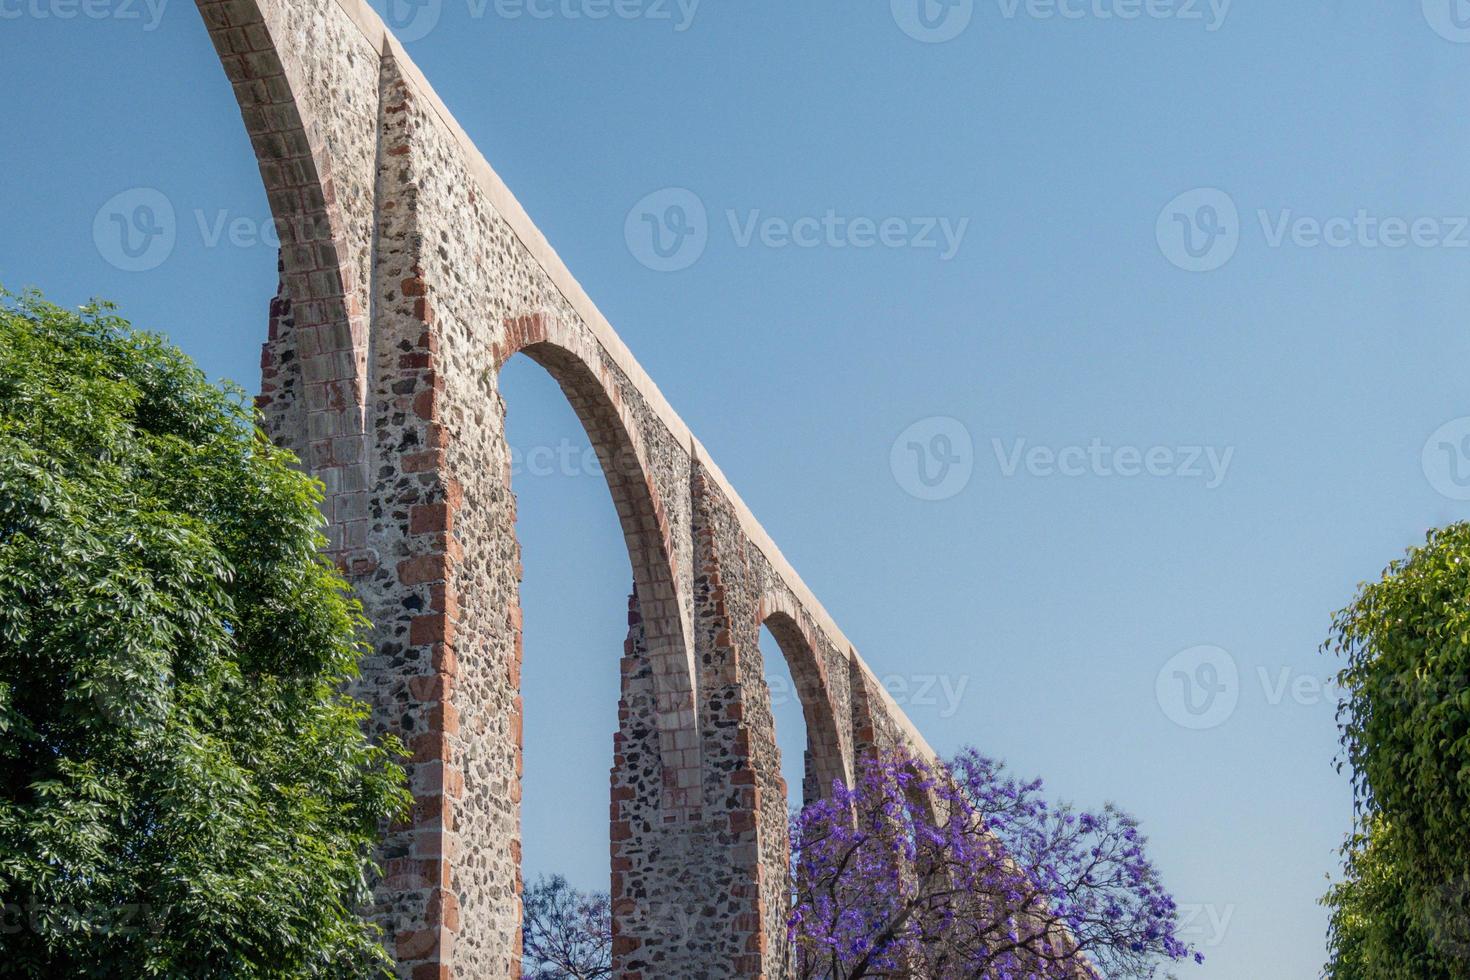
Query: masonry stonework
{"type": "Point", "coordinates": [408, 276]}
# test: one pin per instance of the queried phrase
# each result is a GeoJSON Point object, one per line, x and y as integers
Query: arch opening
{"type": "Point", "coordinates": [574, 601]}
{"type": "Point", "coordinates": [787, 713]}
{"type": "Point", "coordinates": [576, 605]}
{"type": "Point", "coordinates": [794, 670]}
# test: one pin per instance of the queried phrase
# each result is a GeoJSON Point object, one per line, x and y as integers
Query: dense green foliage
{"type": "Point", "coordinates": [184, 788]}
{"type": "Point", "coordinates": [1404, 909]}
{"type": "Point", "coordinates": [1375, 934]}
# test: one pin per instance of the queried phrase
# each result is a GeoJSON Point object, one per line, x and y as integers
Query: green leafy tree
{"type": "Point", "coordinates": [1375, 932]}
{"type": "Point", "coordinates": [185, 788]}
{"type": "Point", "coordinates": [1403, 910]}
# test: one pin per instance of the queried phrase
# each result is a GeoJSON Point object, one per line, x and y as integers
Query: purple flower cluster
{"type": "Point", "coordinates": [958, 870]}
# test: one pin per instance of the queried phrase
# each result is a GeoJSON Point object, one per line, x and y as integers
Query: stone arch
{"type": "Point", "coordinates": [398, 244]}
{"type": "Point", "coordinates": [596, 398]}
{"type": "Point", "coordinates": [315, 360]}
{"type": "Point", "coordinates": [826, 760]}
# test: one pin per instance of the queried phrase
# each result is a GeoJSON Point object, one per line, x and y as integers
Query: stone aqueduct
{"type": "Point", "coordinates": [409, 275]}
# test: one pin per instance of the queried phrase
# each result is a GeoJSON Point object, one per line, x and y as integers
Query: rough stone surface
{"type": "Point", "coordinates": [408, 276]}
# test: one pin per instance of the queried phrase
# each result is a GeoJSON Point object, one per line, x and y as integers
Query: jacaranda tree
{"type": "Point", "coordinates": [1403, 909]}
{"type": "Point", "coordinates": [959, 871]}
{"type": "Point", "coordinates": [185, 790]}
{"type": "Point", "coordinates": [566, 934]}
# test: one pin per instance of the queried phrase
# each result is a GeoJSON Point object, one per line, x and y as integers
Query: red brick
{"type": "Point", "coordinates": [433, 628]}
{"type": "Point", "coordinates": [444, 717]}
{"type": "Point", "coordinates": [432, 687]}
{"type": "Point", "coordinates": [422, 462]}
{"type": "Point", "coordinates": [425, 404]}
{"type": "Point", "coordinates": [417, 944]}
{"type": "Point", "coordinates": [425, 568]}
{"type": "Point", "coordinates": [429, 747]}
{"type": "Point", "coordinates": [444, 598]}
{"type": "Point", "coordinates": [444, 659]}
{"type": "Point", "coordinates": [444, 910]}
{"type": "Point", "coordinates": [430, 517]}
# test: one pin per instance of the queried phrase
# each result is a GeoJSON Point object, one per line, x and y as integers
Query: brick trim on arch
{"type": "Point", "coordinates": [828, 753]}
{"type": "Point", "coordinates": [325, 322]}
{"type": "Point", "coordinates": [665, 633]}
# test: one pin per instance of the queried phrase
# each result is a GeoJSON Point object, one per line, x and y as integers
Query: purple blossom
{"type": "Point", "coordinates": [963, 871]}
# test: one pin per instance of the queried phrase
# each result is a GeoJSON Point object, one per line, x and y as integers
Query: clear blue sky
{"type": "Point", "coordinates": [1065, 611]}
